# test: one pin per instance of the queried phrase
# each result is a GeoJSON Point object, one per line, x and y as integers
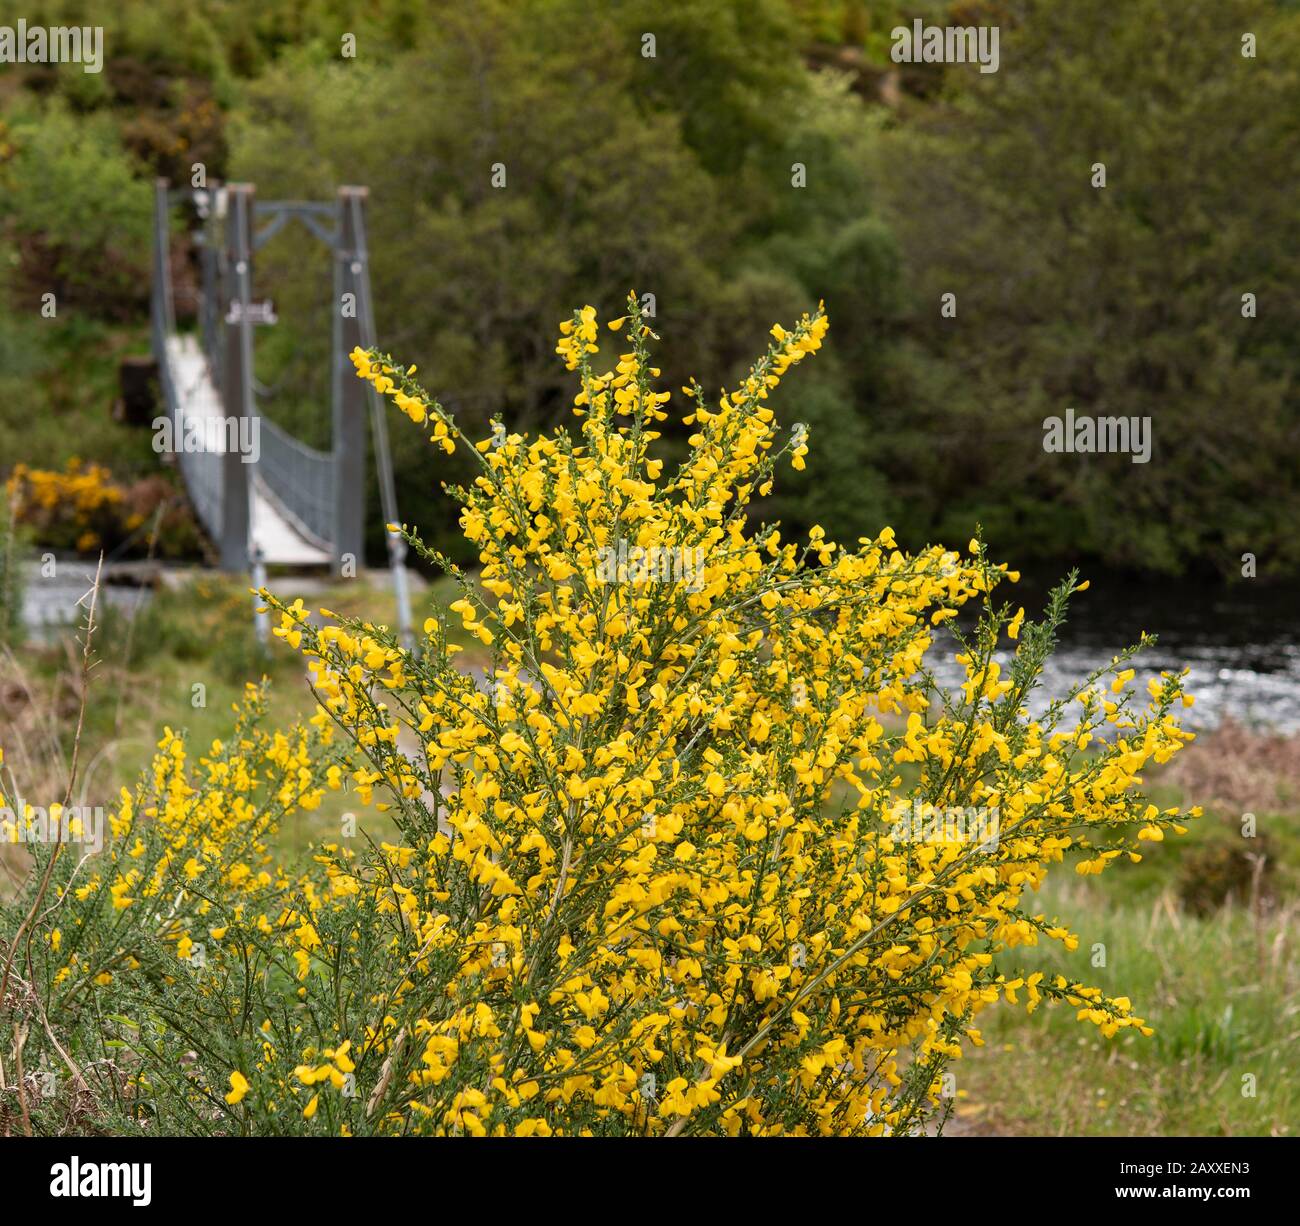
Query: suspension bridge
{"type": "Point", "coordinates": [264, 497]}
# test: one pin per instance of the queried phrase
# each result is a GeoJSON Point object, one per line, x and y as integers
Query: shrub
{"type": "Point", "coordinates": [73, 509]}
{"type": "Point", "coordinates": [82, 509]}
{"type": "Point", "coordinates": [1221, 870]}
{"type": "Point", "coordinates": [687, 857]}
{"type": "Point", "coordinates": [114, 965]}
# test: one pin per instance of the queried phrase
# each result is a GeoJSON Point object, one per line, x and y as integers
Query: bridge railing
{"type": "Point", "coordinates": [204, 476]}
{"type": "Point", "coordinates": [299, 479]}
{"type": "Point", "coordinates": [201, 470]}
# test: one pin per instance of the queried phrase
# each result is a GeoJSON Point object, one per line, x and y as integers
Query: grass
{"type": "Point", "coordinates": [183, 664]}
{"type": "Point", "coordinates": [1223, 994]}
{"type": "Point", "coordinates": [58, 384]}
{"type": "Point", "coordinates": [1204, 949]}
{"type": "Point", "coordinates": [1207, 957]}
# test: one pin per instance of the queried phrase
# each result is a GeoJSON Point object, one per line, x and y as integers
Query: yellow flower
{"type": "Point", "coordinates": [238, 1088]}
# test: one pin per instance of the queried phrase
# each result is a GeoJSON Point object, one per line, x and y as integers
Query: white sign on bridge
{"type": "Point", "coordinates": [258, 313]}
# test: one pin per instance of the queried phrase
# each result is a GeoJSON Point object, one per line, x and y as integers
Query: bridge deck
{"type": "Point", "coordinates": [270, 532]}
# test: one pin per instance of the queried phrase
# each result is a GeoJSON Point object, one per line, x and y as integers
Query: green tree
{"type": "Point", "coordinates": [75, 213]}
{"type": "Point", "coordinates": [514, 168]}
{"type": "Point", "coordinates": [1123, 300]}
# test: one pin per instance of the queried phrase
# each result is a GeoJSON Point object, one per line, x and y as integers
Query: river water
{"type": "Point", "coordinates": [1241, 643]}
{"type": "Point", "coordinates": [53, 602]}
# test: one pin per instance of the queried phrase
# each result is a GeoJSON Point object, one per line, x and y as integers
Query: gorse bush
{"type": "Point", "coordinates": [82, 508]}
{"type": "Point", "coordinates": [689, 855]}
{"type": "Point", "coordinates": [102, 986]}
{"type": "Point", "coordinates": [76, 508]}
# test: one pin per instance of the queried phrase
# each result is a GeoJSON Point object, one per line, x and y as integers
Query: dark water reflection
{"type": "Point", "coordinates": [1242, 643]}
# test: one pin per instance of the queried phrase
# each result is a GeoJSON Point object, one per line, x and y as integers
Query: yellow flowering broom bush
{"type": "Point", "coordinates": [677, 861]}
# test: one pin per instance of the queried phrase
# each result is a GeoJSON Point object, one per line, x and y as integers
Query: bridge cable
{"type": "Point", "coordinates": [379, 430]}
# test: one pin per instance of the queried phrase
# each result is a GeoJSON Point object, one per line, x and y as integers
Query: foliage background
{"type": "Point", "coordinates": [673, 175]}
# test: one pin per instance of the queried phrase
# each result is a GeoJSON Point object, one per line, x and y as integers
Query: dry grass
{"type": "Point", "coordinates": [25, 1006]}
{"type": "Point", "coordinates": [35, 714]}
{"type": "Point", "coordinates": [1237, 770]}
